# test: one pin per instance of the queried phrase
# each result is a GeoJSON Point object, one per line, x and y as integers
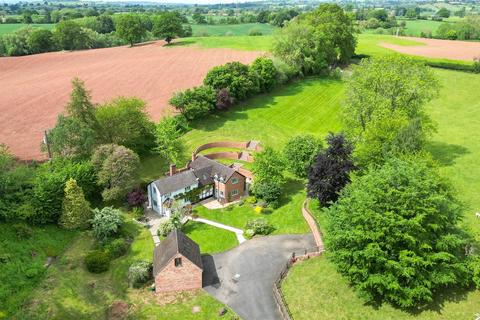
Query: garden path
{"type": "Point", "coordinates": [238, 232]}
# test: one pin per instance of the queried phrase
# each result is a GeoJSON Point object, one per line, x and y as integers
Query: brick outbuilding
{"type": "Point", "coordinates": [177, 264]}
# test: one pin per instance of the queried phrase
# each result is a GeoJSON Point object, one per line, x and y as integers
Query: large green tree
{"type": "Point", "coordinates": [394, 234]}
{"type": "Point", "coordinates": [117, 170]}
{"type": "Point", "coordinates": [69, 35]}
{"type": "Point", "coordinates": [167, 25]}
{"type": "Point", "coordinates": [124, 121]}
{"type": "Point", "coordinates": [167, 134]}
{"type": "Point", "coordinates": [196, 102]}
{"type": "Point", "coordinates": [300, 153]}
{"type": "Point", "coordinates": [384, 107]}
{"type": "Point", "coordinates": [315, 40]}
{"type": "Point", "coordinates": [75, 208]}
{"type": "Point", "coordinates": [130, 28]}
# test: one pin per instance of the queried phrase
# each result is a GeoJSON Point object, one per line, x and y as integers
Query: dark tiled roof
{"type": "Point", "coordinates": [202, 164]}
{"type": "Point", "coordinates": [176, 182]}
{"type": "Point", "coordinates": [175, 242]}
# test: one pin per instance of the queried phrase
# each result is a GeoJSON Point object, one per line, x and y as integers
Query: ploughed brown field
{"type": "Point", "coordinates": [35, 89]}
{"type": "Point", "coordinates": [435, 48]}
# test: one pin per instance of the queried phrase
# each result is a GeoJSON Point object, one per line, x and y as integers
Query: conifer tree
{"type": "Point", "coordinates": [76, 210]}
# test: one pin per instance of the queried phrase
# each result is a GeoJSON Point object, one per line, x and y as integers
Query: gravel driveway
{"type": "Point", "coordinates": [258, 262]}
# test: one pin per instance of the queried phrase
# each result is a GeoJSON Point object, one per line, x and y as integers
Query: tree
{"type": "Point", "coordinates": [41, 40]}
{"type": "Point", "coordinates": [300, 153]}
{"type": "Point", "coordinates": [268, 165]}
{"type": "Point", "coordinates": [75, 208]}
{"type": "Point", "coordinates": [194, 103]}
{"type": "Point", "coordinates": [265, 72]}
{"type": "Point", "coordinates": [49, 183]}
{"type": "Point", "coordinates": [394, 234]}
{"type": "Point", "coordinates": [167, 134]}
{"type": "Point", "coordinates": [104, 24]}
{"type": "Point", "coordinates": [384, 107]}
{"type": "Point", "coordinates": [199, 18]}
{"type": "Point", "coordinates": [330, 172]}
{"type": "Point", "coordinates": [117, 169]}
{"type": "Point", "coordinates": [124, 121]}
{"type": "Point", "coordinates": [315, 40]}
{"type": "Point", "coordinates": [106, 223]}
{"type": "Point", "coordinates": [269, 190]}
{"type": "Point", "coordinates": [130, 28]}
{"type": "Point", "coordinates": [233, 76]}
{"type": "Point", "coordinates": [69, 35]}
{"type": "Point", "coordinates": [75, 135]}
{"type": "Point", "coordinates": [443, 12]}
{"type": "Point", "coordinates": [167, 25]}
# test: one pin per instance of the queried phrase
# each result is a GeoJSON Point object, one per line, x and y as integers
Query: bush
{"type": "Point", "coordinates": [235, 77]}
{"type": "Point", "coordinates": [97, 261]}
{"type": "Point", "coordinates": [32, 272]}
{"type": "Point", "coordinates": [476, 65]}
{"type": "Point", "coordinates": [224, 100]}
{"type": "Point", "coordinates": [251, 200]}
{"type": "Point", "coordinates": [137, 212]}
{"type": "Point", "coordinates": [300, 152]}
{"type": "Point", "coordinates": [139, 273]}
{"type": "Point", "coordinates": [22, 230]}
{"type": "Point", "coordinates": [265, 73]}
{"type": "Point", "coordinates": [255, 32]}
{"type": "Point", "coordinates": [195, 102]}
{"type": "Point", "coordinates": [270, 191]}
{"type": "Point", "coordinates": [165, 228]}
{"type": "Point", "coordinates": [259, 226]}
{"type": "Point", "coordinates": [117, 248]}
{"type": "Point", "coordinates": [136, 198]}
{"type": "Point", "coordinates": [106, 223]}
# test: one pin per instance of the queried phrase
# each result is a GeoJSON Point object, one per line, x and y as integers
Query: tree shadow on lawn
{"type": "Point", "coordinates": [451, 294]}
{"type": "Point", "coordinates": [180, 43]}
{"type": "Point", "coordinates": [446, 153]}
{"type": "Point", "coordinates": [291, 187]}
{"type": "Point", "coordinates": [265, 100]}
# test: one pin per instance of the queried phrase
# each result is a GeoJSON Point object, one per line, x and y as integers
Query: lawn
{"type": "Point", "coordinates": [315, 290]}
{"type": "Point", "coordinates": [22, 260]}
{"type": "Point", "coordinates": [71, 292]}
{"type": "Point", "coordinates": [243, 29]}
{"type": "Point", "coordinates": [286, 219]}
{"type": "Point", "coordinates": [11, 27]}
{"type": "Point", "coordinates": [210, 239]}
{"type": "Point", "coordinates": [415, 27]}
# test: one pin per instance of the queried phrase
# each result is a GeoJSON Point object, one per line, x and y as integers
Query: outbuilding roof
{"type": "Point", "coordinates": [176, 242]}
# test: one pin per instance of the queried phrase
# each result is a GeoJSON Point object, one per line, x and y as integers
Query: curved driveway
{"type": "Point", "coordinates": [258, 262]}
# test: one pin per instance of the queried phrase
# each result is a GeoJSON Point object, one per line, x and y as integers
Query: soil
{"type": "Point", "coordinates": [35, 89]}
{"type": "Point", "coordinates": [444, 49]}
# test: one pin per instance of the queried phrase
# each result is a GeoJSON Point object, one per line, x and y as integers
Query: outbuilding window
{"type": "Point", "coordinates": [178, 262]}
{"type": "Point", "coordinates": [234, 180]}
{"type": "Point", "coordinates": [234, 192]}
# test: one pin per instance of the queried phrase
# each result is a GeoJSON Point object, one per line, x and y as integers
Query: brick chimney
{"type": "Point", "coordinates": [173, 169]}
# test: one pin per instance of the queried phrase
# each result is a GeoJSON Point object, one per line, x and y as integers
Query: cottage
{"type": "Point", "coordinates": [201, 179]}
{"type": "Point", "coordinates": [177, 264]}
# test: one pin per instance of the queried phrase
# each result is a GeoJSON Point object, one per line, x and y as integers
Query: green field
{"type": "Point", "coordinates": [243, 29]}
{"type": "Point", "coordinates": [11, 27]}
{"type": "Point", "coordinates": [415, 27]}
{"type": "Point", "coordinates": [315, 290]}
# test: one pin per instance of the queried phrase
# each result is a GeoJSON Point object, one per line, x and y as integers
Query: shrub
{"type": "Point", "coordinates": [265, 73]}
{"type": "Point", "coordinates": [259, 226]}
{"type": "Point", "coordinates": [224, 100]}
{"type": "Point", "coordinates": [165, 228]}
{"type": "Point", "coordinates": [32, 272]}
{"type": "Point", "coordinates": [251, 200]}
{"type": "Point", "coordinates": [106, 223]}
{"type": "Point", "coordinates": [136, 197]}
{"type": "Point", "coordinates": [22, 230]}
{"type": "Point", "coordinates": [117, 248]}
{"type": "Point", "coordinates": [235, 77]}
{"type": "Point", "coordinates": [255, 32]}
{"type": "Point", "coordinates": [97, 261]}
{"type": "Point", "coordinates": [476, 65]}
{"type": "Point", "coordinates": [195, 102]}
{"type": "Point", "coordinates": [137, 212]}
{"type": "Point", "coordinates": [139, 273]}
{"type": "Point", "coordinates": [300, 152]}
{"type": "Point", "coordinates": [258, 209]}
{"type": "Point", "coordinates": [270, 191]}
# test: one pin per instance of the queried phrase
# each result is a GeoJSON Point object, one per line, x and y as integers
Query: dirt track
{"type": "Point", "coordinates": [434, 48]}
{"type": "Point", "coordinates": [34, 89]}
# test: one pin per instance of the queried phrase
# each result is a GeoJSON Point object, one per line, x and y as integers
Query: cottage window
{"type": "Point", "coordinates": [154, 203]}
{"type": "Point", "coordinates": [234, 180]}
{"type": "Point", "coordinates": [221, 193]}
{"type": "Point", "coordinates": [234, 192]}
{"type": "Point", "coordinates": [178, 262]}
